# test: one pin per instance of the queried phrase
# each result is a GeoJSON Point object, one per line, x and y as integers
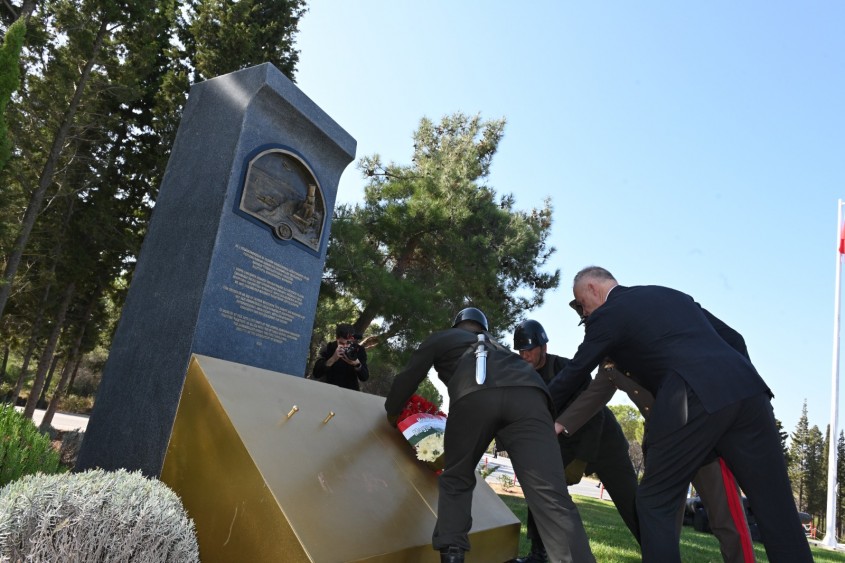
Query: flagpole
{"type": "Point", "coordinates": [833, 440]}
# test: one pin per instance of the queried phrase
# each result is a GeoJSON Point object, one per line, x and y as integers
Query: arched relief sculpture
{"type": "Point", "coordinates": [281, 191]}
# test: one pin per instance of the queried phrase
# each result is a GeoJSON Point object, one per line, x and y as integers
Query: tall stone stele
{"type": "Point", "coordinates": [232, 262]}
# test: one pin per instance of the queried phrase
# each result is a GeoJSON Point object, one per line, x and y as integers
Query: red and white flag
{"type": "Point", "coordinates": [842, 240]}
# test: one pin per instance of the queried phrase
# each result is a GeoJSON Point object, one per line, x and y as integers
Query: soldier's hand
{"type": "Point", "coordinates": [574, 471]}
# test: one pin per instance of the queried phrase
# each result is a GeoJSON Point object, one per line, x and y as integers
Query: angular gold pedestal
{"type": "Point", "coordinates": [266, 482]}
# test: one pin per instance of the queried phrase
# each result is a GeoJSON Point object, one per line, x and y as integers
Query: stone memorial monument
{"type": "Point", "coordinates": [232, 262]}
{"type": "Point", "coordinates": [204, 384]}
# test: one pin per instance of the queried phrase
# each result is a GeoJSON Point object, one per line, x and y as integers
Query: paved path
{"type": "Point", "coordinates": [588, 487]}
{"type": "Point", "coordinates": [62, 420]}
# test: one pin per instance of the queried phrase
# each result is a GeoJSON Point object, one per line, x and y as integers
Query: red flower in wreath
{"type": "Point", "coordinates": [417, 405]}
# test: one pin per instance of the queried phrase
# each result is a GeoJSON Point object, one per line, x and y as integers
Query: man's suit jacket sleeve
{"type": "Point", "coordinates": [406, 382]}
{"type": "Point", "coordinates": [639, 395]}
{"type": "Point", "coordinates": [591, 351]}
{"type": "Point", "coordinates": [563, 387]}
{"type": "Point", "coordinates": [587, 404]}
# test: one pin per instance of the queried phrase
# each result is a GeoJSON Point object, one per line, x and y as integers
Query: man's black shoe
{"type": "Point", "coordinates": [451, 554]}
{"type": "Point", "coordinates": [537, 555]}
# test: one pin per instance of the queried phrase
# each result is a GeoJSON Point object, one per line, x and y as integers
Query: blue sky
{"type": "Point", "coordinates": [693, 145]}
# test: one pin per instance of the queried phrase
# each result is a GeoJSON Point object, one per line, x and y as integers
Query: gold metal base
{"type": "Point", "coordinates": [278, 468]}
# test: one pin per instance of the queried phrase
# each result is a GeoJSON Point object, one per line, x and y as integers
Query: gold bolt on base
{"type": "Point", "coordinates": [291, 412]}
{"type": "Point", "coordinates": [328, 417]}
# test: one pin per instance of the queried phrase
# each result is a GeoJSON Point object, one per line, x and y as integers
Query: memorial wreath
{"type": "Point", "coordinates": [424, 426]}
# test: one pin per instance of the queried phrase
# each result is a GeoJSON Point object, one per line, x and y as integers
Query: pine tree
{"type": "Point", "coordinates": [433, 237]}
{"type": "Point", "coordinates": [816, 480]}
{"type": "Point", "coordinates": [784, 437]}
{"type": "Point", "coordinates": [799, 453]}
{"type": "Point", "coordinates": [222, 36]}
{"type": "Point", "coordinates": [9, 80]}
{"type": "Point", "coordinates": [92, 123]}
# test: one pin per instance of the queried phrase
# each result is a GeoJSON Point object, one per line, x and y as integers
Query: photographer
{"type": "Point", "coordinates": [342, 362]}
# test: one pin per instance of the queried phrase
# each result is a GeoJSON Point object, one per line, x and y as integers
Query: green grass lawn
{"type": "Point", "coordinates": [611, 541]}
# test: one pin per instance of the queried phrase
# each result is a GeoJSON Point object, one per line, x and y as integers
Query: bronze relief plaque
{"type": "Point", "coordinates": [281, 191]}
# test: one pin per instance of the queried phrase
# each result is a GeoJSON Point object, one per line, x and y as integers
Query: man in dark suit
{"type": "Point", "coordinates": [709, 400]}
{"type": "Point", "coordinates": [714, 482]}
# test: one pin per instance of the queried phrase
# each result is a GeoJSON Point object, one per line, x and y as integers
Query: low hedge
{"type": "Point", "coordinates": [94, 516]}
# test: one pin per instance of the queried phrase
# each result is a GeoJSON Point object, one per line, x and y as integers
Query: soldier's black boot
{"type": "Point", "coordinates": [451, 554]}
{"type": "Point", "coordinates": [537, 555]}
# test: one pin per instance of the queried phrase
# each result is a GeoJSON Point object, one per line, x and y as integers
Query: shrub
{"type": "Point", "coordinates": [23, 449]}
{"type": "Point", "coordinates": [89, 374]}
{"type": "Point", "coordinates": [76, 404]}
{"type": "Point", "coordinates": [506, 481]}
{"type": "Point", "coordinates": [71, 444]}
{"type": "Point", "coordinates": [94, 516]}
{"type": "Point", "coordinates": [86, 383]}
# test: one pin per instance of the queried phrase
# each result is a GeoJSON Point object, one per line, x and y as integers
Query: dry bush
{"type": "Point", "coordinates": [95, 516]}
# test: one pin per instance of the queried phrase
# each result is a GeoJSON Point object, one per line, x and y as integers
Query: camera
{"type": "Point", "coordinates": [351, 350]}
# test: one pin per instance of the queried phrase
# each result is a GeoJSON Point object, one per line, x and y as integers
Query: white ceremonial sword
{"type": "Point", "coordinates": [480, 361]}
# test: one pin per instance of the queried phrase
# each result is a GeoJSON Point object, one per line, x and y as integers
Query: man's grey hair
{"type": "Point", "coordinates": [593, 272]}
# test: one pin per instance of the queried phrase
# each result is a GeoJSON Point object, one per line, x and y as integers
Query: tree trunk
{"type": "Point", "coordinates": [366, 318]}
{"type": "Point", "coordinates": [53, 365]}
{"type": "Point", "coordinates": [30, 349]}
{"type": "Point", "coordinates": [25, 11]}
{"type": "Point", "coordinates": [36, 199]}
{"type": "Point", "coordinates": [5, 362]}
{"type": "Point", "coordinates": [74, 359]}
{"type": "Point", "coordinates": [75, 371]}
{"type": "Point", "coordinates": [47, 353]}
{"type": "Point", "coordinates": [67, 370]}
{"type": "Point", "coordinates": [36, 325]}
{"type": "Point", "coordinates": [27, 7]}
